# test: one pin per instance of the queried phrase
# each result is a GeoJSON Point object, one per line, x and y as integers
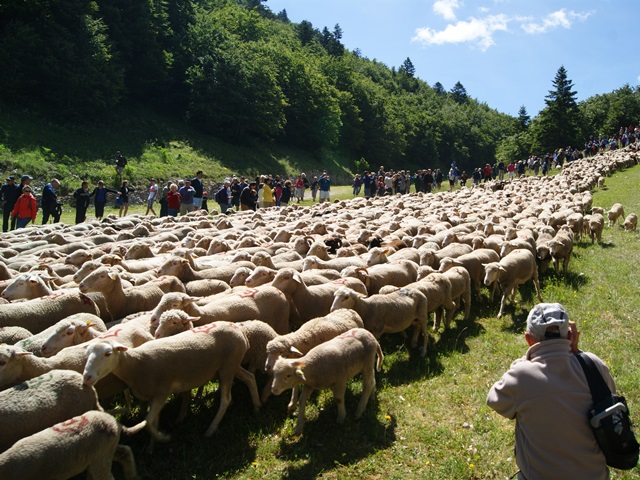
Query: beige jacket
{"type": "Point", "coordinates": [547, 393]}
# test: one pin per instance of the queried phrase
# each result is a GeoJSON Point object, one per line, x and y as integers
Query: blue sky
{"type": "Point", "coordinates": [505, 52]}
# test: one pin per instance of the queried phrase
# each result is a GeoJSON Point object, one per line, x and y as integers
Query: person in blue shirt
{"type": "Point", "coordinates": [50, 207]}
{"type": "Point", "coordinates": [100, 200]}
{"type": "Point", "coordinates": [324, 183]}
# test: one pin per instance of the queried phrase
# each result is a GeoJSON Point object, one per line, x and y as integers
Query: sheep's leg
{"type": "Point", "coordinates": [536, 283]}
{"type": "Point", "coordinates": [294, 400]}
{"type": "Point", "coordinates": [225, 399]}
{"type": "Point", "coordinates": [266, 390]}
{"type": "Point", "coordinates": [124, 456]}
{"type": "Point", "coordinates": [249, 380]}
{"type": "Point", "coordinates": [153, 418]}
{"type": "Point", "coordinates": [100, 469]}
{"type": "Point", "coordinates": [368, 387]}
{"type": "Point", "coordinates": [467, 305]}
{"type": "Point", "coordinates": [306, 391]}
{"type": "Point", "coordinates": [502, 303]}
{"type": "Point", "coordinates": [420, 325]}
{"type": "Point", "coordinates": [185, 401]}
{"type": "Point", "coordinates": [338, 393]}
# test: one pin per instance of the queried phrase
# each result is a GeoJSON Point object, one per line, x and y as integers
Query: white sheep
{"type": "Point", "coordinates": [596, 225]}
{"type": "Point", "coordinates": [338, 264]}
{"type": "Point", "coordinates": [616, 212]}
{"type": "Point", "coordinates": [560, 248]}
{"type": "Point", "coordinates": [88, 442]}
{"type": "Point", "coordinates": [37, 314]}
{"type": "Point", "coordinates": [121, 302]}
{"type": "Point", "coordinates": [391, 313]}
{"type": "Point", "coordinates": [42, 402]}
{"type": "Point", "coordinates": [265, 303]}
{"type": "Point", "coordinates": [180, 267]}
{"type": "Point", "coordinates": [473, 262]}
{"type": "Point", "coordinates": [12, 335]}
{"type": "Point", "coordinates": [513, 270]}
{"type": "Point", "coordinates": [399, 274]}
{"type": "Point", "coordinates": [460, 289]}
{"type": "Point", "coordinates": [314, 301]}
{"type": "Point", "coordinates": [79, 327]}
{"type": "Point", "coordinates": [176, 364]}
{"type": "Point", "coordinates": [331, 365]}
{"type": "Point", "coordinates": [630, 223]}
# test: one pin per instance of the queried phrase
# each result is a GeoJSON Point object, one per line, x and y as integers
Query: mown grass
{"type": "Point", "coordinates": [428, 419]}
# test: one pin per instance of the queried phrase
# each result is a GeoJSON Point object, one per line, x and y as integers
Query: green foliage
{"type": "Point", "coordinates": [559, 120]}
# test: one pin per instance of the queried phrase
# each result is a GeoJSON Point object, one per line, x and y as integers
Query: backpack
{"type": "Point", "coordinates": [609, 420]}
{"type": "Point", "coordinates": [216, 196]}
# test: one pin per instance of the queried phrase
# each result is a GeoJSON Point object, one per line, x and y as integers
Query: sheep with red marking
{"type": "Point", "coordinates": [331, 365]}
{"type": "Point", "coordinates": [175, 364]}
{"type": "Point", "coordinates": [88, 442]}
{"type": "Point", "coordinates": [391, 313]}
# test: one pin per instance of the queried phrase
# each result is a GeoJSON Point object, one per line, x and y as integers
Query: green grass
{"type": "Point", "coordinates": [428, 419]}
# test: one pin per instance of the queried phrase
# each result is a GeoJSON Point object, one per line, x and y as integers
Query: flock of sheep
{"type": "Point", "coordinates": [161, 306]}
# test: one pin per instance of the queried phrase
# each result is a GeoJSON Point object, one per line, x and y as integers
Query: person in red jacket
{"type": "Point", "coordinates": [25, 208]}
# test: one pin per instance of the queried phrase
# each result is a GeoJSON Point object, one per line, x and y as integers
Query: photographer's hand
{"type": "Point", "coordinates": [574, 335]}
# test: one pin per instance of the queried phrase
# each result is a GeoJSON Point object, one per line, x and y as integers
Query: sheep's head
{"type": "Point", "coordinates": [101, 360]}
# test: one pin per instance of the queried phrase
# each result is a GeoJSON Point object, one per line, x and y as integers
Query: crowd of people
{"type": "Point", "coordinates": [19, 205]}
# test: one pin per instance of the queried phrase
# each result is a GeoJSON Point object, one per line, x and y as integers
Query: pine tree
{"type": "Point", "coordinates": [560, 119]}
{"type": "Point", "coordinates": [459, 93]}
{"type": "Point", "coordinates": [408, 68]}
{"type": "Point", "coordinates": [523, 119]}
{"type": "Point", "coordinates": [439, 88]}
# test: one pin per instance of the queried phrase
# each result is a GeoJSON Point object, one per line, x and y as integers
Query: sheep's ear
{"type": "Point", "coordinates": [23, 353]}
{"type": "Point", "coordinates": [119, 347]}
{"type": "Point", "coordinates": [190, 300]}
{"type": "Point", "coordinates": [296, 278]}
{"type": "Point", "coordinates": [501, 268]}
{"type": "Point", "coordinates": [293, 349]}
{"type": "Point", "coordinates": [112, 275]}
{"type": "Point", "coordinates": [299, 371]}
{"type": "Point", "coordinates": [190, 319]}
{"type": "Point", "coordinates": [71, 329]}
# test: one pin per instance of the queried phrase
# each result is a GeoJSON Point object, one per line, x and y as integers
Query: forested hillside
{"type": "Point", "coordinates": [235, 71]}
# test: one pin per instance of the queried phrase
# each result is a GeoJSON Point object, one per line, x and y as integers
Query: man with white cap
{"type": "Point", "coordinates": [547, 393]}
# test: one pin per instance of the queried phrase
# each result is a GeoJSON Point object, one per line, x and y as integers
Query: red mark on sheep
{"type": "Point", "coordinates": [73, 426]}
{"type": "Point", "coordinates": [204, 328]}
{"type": "Point", "coordinates": [113, 333]}
{"type": "Point", "coordinates": [350, 333]}
{"type": "Point", "coordinates": [52, 296]}
{"type": "Point", "coordinates": [249, 293]}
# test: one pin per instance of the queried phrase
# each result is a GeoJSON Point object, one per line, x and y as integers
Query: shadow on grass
{"type": "Point", "coordinates": [325, 445]}
{"type": "Point", "coordinates": [190, 455]}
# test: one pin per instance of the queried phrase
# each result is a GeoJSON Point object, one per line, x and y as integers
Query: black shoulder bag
{"type": "Point", "coordinates": [609, 419]}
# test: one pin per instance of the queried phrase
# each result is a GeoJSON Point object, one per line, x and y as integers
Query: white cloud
{"type": "Point", "coordinates": [476, 31]}
{"type": "Point", "coordinates": [446, 8]}
{"type": "Point", "coordinates": [559, 18]}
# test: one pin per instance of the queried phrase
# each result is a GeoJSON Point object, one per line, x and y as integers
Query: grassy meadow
{"type": "Point", "coordinates": [428, 419]}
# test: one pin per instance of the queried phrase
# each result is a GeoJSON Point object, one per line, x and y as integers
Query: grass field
{"type": "Point", "coordinates": [428, 419]}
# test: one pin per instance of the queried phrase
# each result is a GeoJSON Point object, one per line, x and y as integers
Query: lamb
{"type": "Point", "coordinates": [460, 288]}
{"type": "Point", "coordinates": [560, 248]}
{"type": "Point", "coordinates": [616, 212]}
{"type": "Point", "coordinates": [173, 322]}
{"type": "Point", "coordinates": [263, 275]}
{"type": "Point", "coordinates": [18, 365]}
{"type": "Point", "coordinates": [37, 314]}
{"type": "Point", "coordinates": [265, 303]}
{"type": "Point", "coordinates": [543, 253]}
{"type": "Point", "coordinates": [473, 262]}
{"type": "Point", "coordinates": [596, 225]}
{"type": "Point", "coordinates": [42, 402]}
{"type": "Point", "coordinates": [390, 313]}
{"type": "Point", "coordinates": [513, 270]}
{"type": "Point", "coordinates": [432, 258]}
{"type": "Point", "coordinates": [88, 442]}
{"type": "Point", "coordinates": [630, 223]}
{"type": "Point", "coordinates": [331, 365]}
{"type": "Point", "coordinates": [120, 302]}
{"type": "Point", "coordinates": [314, 301]}
{"type": "Point", "coordinates": [379, 256]}
{"type": "Point", "coordinates": [311, 262]}
{"type": "Point", "coordinates": [239, 278]}
{"type": "Point", "coordinates": [12, 335]}
{"type": "Point", "coordinates": [78, 324]}
{"type": "Point", "coordinates": [179, 267]}
{"type": "Point", "coordinates": [176, 364]}
{"type": "Point", "coordinates": [73, 330]}
{"type": "Point", "coordinates": [204, 288]}
{"type": "Point", "coordinates": [310, 334]}
{"type": "Point", "coordinates": [399, 274]}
